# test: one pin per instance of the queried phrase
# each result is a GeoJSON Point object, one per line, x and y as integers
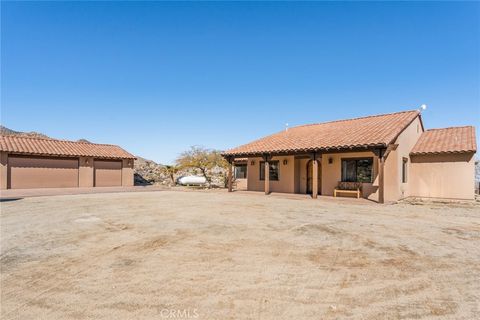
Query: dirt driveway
{"type": "Point", "coordinates": [199, 255]}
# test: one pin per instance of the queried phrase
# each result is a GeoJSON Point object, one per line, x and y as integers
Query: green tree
{"type": "Point", "coordinates": [203, 160]}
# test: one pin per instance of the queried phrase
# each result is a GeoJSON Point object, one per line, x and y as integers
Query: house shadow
{"type": "Point", "coordinates": [9, 199]}
{"type": "Point", "coordinates": [138, 180]}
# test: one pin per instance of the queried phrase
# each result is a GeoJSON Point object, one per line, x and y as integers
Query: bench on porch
{"type": "Point", "coordinates": [348, 187]}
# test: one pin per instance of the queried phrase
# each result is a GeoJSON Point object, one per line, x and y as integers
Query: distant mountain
{"type": "Point", "coordinates": [6, 131]}
{"type": "Point", "coordinates": [9, 132]}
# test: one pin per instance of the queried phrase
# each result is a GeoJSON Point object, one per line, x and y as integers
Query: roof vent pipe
{"type": "Point", "coordinates": [286, 127]}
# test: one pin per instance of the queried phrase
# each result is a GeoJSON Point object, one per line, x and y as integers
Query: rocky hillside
{"type": "Point", "coordinates": [6, 131]}
{"type": "Point", "coordinates": [149, 172]}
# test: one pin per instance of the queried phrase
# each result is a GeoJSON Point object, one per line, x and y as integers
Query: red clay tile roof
{"type": "Point", "coordinates": [52, 147]}
{"type": "Point", "coordinates": [372, 131]}
{"type": "Point", "coordinates": [446, 140]}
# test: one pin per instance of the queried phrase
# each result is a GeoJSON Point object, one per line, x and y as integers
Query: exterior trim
{"type": "Point", "coordinates": [306, 151]}
{"type": "Point", "coordinates": [57, 156]}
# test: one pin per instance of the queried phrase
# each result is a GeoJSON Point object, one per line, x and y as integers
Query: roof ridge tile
{"type": "Point", "coordinates": [356, 118]}
{"type": "Point", "coordinates": [50, 139]}
{"type": "Point", "coordinates": [453, 127]}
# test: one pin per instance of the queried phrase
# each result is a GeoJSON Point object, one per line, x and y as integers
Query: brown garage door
{"type": "Point", "coordinates": [42, 172]}
{"type": "Point", "coordinates": [108, 173]}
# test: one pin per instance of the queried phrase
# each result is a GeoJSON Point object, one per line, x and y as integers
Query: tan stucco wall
{"type": "Point", "coordinates": [241, 184]}
{"type": "Point", "coordinates": [286, 182]}
{"type": "Point", "coordinates": [394, 188]}
{"type": "Point", "coordinates": [332, 173]}
{"type": "Point", "coordinates": [3, 170]}
{"type": "Point", "coordinates": [127, 172]}
{"type": "Point", "coordinates": [443, 176]}
{"type": "Point", "coordinates": [293, 176]}
{"type": "Point", "coordinates": [85, 172]}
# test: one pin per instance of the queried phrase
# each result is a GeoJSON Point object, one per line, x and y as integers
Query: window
{"type": "Point", "coordinates": [357, 170]}
{"type": "Point", "coordinates": [240, 171]}
{"type": "Point", "coordinates": [404, 170]}
{"type": "Point", "coordinates": [274, 169]}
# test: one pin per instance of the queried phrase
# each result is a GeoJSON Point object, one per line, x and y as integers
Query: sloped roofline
{"type": "Point", "coordinates": [419, 116]}
{"type": "Point", "coordinates": [226, 154]}
{"type": "Point", "coordinates": [465, 149]}
{"type": "Point", "coordinates": [356, 118]}
{"type": "Point", "coordinates": [12, 138]}
{"type": "Point", "coordinates": [60, 140]}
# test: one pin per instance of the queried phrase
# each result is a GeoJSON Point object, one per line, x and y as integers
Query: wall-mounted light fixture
{"type": "Point", "coordinates": [86, 161]}
{"type": "Point", "coordinates": [330, 160]}
{"type": "Point", "coordinates": [252, 163]}
{"type": "Point", "coordinates": [129, 162]}
{"type": "Point", "coordinates": [285, 162]}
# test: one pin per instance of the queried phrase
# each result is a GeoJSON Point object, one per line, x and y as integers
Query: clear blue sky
{"type": "Point", "coordinates": [157, 78]}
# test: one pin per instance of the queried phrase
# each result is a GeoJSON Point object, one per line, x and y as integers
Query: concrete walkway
{"type": "Point", "coordinates": [23, 193]}
{"type": "Point", "coordinates": [40, 192]}
{"type": "Point", "coordinates": [308, 197]}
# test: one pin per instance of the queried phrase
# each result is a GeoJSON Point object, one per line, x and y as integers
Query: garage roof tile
{"type": "Point", "coordinates": [52, 147]}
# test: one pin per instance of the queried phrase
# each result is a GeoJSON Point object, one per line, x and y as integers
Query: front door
{"type": "Point", "coordinates": [310, 177]}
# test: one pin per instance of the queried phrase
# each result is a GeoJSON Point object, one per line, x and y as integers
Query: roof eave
{"type": "Point", "coordinates": [441, 152]}
{"type": "Point", "coordinates": [307, 150]}
{"type": "Point", "coordinates": [66, 155]}
{"type": "Point", "coordinates": [418, 115]}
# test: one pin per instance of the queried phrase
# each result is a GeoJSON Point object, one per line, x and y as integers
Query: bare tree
{"type": "Point", "coordinates": [201, 159]}
{"type": "Point", "coordinates": [171, 171]}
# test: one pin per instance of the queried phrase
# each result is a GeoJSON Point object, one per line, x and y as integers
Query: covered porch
{"type": "Point", "coordinates": [305, 197]}
{"type": "Point", "coordinates": [314, 173]}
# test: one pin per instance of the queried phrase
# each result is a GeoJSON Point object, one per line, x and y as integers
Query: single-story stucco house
{"type": "Point", "coordinates": [28, 162]}
{"type": "Point", "coordinates": [385, 157]}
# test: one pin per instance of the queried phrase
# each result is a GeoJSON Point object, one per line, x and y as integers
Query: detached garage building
{"type": "Point", "coordinates": [27, 162]}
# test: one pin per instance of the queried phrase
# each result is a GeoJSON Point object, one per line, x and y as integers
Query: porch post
{"type": "Point", "coordinates": [381, 177]}
{"type": "Point", "coordinates": [267, 177]}
{"type": "Point", "coordinates": [315, 178]}
{"type": "Point", "coordinates": [230, 169]}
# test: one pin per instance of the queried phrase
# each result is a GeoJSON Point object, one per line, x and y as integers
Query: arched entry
{"type": "Point", "coordinates": [310, 178]}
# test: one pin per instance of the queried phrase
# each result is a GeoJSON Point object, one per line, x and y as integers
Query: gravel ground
{"type": "Point", "coordinates": [214, 255]}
